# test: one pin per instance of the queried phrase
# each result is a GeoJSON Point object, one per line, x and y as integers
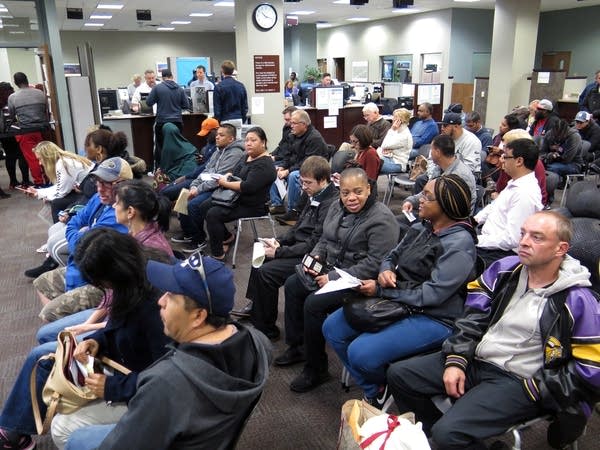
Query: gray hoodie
{"type": "Point", "coordinates": [221, 161]}
{"type": "Point", "coordinates": [514, 342]}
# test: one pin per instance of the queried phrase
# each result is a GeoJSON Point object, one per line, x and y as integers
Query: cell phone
{"type": "Point", "coordinates": [312, 264]}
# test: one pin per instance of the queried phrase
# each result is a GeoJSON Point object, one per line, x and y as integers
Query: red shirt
{"type": "Point", "coordinates": [369, 160]}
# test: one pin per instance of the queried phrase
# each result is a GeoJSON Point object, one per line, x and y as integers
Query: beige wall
{"type": "Point", "coordinates": [118, 55]}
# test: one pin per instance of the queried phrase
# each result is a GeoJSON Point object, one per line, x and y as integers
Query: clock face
{"type": "Point", "coordinates": [265, 16]}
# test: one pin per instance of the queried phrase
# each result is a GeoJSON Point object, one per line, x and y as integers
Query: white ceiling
{"type": "Point", "coordinates": [164, 12]}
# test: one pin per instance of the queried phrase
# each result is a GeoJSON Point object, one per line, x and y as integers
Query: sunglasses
{"type": "Point", "coordinates": [196, 263]}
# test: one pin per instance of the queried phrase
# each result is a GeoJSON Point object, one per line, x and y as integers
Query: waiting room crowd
{"type": "Point", "coordinates": [498, 316]}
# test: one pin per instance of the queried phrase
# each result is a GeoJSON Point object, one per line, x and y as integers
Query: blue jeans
{"type": "Point", "coordinates": [192, 225]}
{"type": "Point", "coordinates": [294, 191]}
{"type": "Point", "coordinates": [49, 332]}
{"type": "Point", "coordinates": [172, 190]}
{"type": "Point", "coordinates": [17, 414]}
{"type": "Point", "coordinates": [367, 355]}
{"type": "Point", "coordinates": [563, 168]}
{"type": "Point", "coordinates": [88, 438]}
{"type": "Point", "coordinates": [389, 166]}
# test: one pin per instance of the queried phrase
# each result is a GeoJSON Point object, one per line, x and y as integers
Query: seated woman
{"type": "Point", "coordinates": [357, 233]}
{"type": "Point", "coordinates": [133, 336]}
{"type": "Point", "coordinates": [178, 157]}
{"type": "Point", "coordinates": [427, 271]}
{"type": "Point", "coordinates": [365, 156]}
{"type": "Point", "coordinates": [257, 173]}
{"type": "Point", "coordinates": [62, 169]}
{"type": "Point", "coordinates": [146, 216]}
{"type": "Point", "coordinates": [397, 144]}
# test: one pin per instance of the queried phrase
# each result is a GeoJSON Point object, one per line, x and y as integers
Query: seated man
{"type": "Point", "coordinates": [63, 291]}
{"type": "Point", "coordinates": [474, 125]}
{"type": "Point", "coordinates": [589, 131]}
{"type": "Point", "coordinates": [286, 252]}
{"type": "Point", "coordinates": [502, 219]}
{"type": "Point", "coordinates": [307, 141]}
{"type": "Point", "coordinates": [376, 122]}
{"type": "Point", "coordinates": [228, 154]}
{"type": "Point", "coordinates": [423, 130]}
{"type": "Point", "coordinates": [212, 377]}
{"type": "Point", "coordinates": [523, 348]}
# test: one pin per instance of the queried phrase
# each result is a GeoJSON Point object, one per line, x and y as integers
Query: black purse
{"type": "Point", "coordinates": [226, 197]}
{"type": "Point", "coordinates": [372, 314]}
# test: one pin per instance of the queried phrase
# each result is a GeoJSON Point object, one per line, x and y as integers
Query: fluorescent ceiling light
{"type": "Point", "coordinates": [323, 25]}
{"type": "Point", "coordinates": [225, 3]}
{"type": "Point", "coordinates": [7, 16]}
{"type": "Point", "coordinates": [3, 9]}
{"type": "Point", "coordinates": [93, 24]}
{"type": "Point", "coordinates": [302, 13]}
{"type": "Point", "coordinates": [201, 14]}
{"type": "Point", "coordinates": [405, 10]}
{"type": "Point", "coordinates": [108, 6]}
{"type": "Point", "coordinates": [2, 5]}
{"type": "Point", "coordinates": [465, 1]}
{"type": "Point", "coordinates": [165, 28]}
{"type": "Point", "coordinates": [16, 32]}
{"type": "Point", "coordinates": [342, 2]}
{"type": "Point", "coordinates": [181, 22]}
{"type": "Point", "coordinates": [358, 19]}
{"type": "Point", "coordinates": [101, 16]}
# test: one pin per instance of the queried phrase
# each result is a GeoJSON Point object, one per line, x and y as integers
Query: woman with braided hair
{"type": "Point", "coordinates": [427, 272]}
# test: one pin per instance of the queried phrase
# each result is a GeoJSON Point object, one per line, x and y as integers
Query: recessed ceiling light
{"type": "Point", "coordinates": [101, 16]}
{"type": "Point", "coordinates": [165, 28]}
{"type": "Point", "coordinates": [93, 24]}
{"type": "Point", "coordinates": [181, 22]}
{"type": "Point", "coordinates": [323, 25]}
{"type": "Point", "coordinates": [302, 13]}
{"type": "Point", "coordinates": [109, 6]}
{"type": "Point", "coordinates": [225, 3]}
{"type": "Point", "coordinates": [358, 19]}
{"type": "Point", "coordinates": [201, 14]}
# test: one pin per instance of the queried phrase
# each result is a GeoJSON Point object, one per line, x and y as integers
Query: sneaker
{"type": "Point", "coordinates": [293, 355]}
{"type": "Point", "coordinates": [289, 218]}
{"type": "Point", "coordinates": [244, 311]}
{"type": "Point", "coordinates": [381, 400]}
{"type": "Point", "coordinates": [192, 248]}
{"type": "Point", "coordinates": [48, 265]}
{"type": "Point", "coordinates": [278, 209]}
{"type": "Point", "coordinates": [12, 440]}
{"type": "Point", "coordinates": [181, 238]}
{"type": "Point", "coordinates": [42, 249]}
{"type": "Point", "coordinates": [309, 379]}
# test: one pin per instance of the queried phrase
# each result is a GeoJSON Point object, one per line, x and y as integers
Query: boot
{"type": "Point", "coordinates": [47, 265]}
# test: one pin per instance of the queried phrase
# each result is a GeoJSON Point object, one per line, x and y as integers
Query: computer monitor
{"type": "Point", "coordinates": [108, 99]}
{"type": "Point", "coordinates": [144, 108]}
{"type": "Point", "coordinates": [406, 102]}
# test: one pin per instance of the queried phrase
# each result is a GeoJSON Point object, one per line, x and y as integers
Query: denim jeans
{"type": "Point", "coordinates": [88, 438]}
{"type": "Point", "coordinates": [389, 166]}
{"type": "Point", "coordinates": [563, 168]}
{"type": "Point", "coordinates": [172, 190]}
{"type": "Point", "coordinates": [192, 225]}
{"type": "Point", "coordinates": [294, 191]}
{"type": "Point", "coordinates": [367, 355]}
{"type": "Point", "coordinates": [17, 414]}
{"type": "Point", "coordinates": [49, 332]}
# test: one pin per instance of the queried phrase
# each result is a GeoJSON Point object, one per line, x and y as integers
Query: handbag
{"type": "Point", "coordinates": [161, 180]}
{"type": "Point", "coordinates": [60, 393]}
{"type": "Point", "coordinates": [226, 197]}
{"type": "Point", "coordinates": [365, 427]}
{"type": "Point", "coordinates": [372, 314]}
{"type": "Point", "coordinates": [419, 168]}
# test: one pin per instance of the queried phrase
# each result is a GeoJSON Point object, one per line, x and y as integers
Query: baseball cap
{"type": "Point", "coordinates": [113, 169]}
{"type": "Point", "coordinates": [583, 116]}
{"type": "Point", "coordinates": [452, 119]}
{"type": "Point", "coordinates": [545, 104]}
{"type": "Point", "coordinates": [454, 108]}
{"type": "Point", "coordinates": [214, 291]}
{"type": "Point", "coordinates": [208, 125]}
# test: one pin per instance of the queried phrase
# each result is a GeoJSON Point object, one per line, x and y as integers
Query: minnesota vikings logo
{"type": "Point", "coordinates": [553, 351]}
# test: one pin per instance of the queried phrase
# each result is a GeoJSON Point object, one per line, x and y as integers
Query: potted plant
{"type": "Point", "coordinates": [311, 74]}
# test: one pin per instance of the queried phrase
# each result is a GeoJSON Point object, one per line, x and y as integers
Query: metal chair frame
{"type": "Point", "coordinates": [252, 220]}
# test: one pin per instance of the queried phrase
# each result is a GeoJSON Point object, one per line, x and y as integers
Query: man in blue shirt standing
{"type": "Point", "coordinates": [230, 100]}
{"type": "Point", "coordinates": [424, 130]}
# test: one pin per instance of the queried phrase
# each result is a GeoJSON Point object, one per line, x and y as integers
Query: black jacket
{"type": "Point", "coordinates": [310, 143]}
{"type": "Point", "coordinates": [282, 152]}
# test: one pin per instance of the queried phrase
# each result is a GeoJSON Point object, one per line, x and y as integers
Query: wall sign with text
{"type": "Point", "coordinates": [266, 74]}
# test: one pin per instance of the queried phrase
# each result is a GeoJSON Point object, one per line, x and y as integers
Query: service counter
{"type": "Point", "coordinates": [336, 129]}
{"type": "Point", "coordinates": [140, 134]}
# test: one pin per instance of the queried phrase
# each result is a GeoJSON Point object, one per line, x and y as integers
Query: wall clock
{"type": "Point", "coordinates": [264, 16]}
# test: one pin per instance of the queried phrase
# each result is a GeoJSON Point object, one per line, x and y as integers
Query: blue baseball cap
{"type": "Point", "coordinates": [215, 292]}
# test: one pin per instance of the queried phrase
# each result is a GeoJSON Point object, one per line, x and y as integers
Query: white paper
{"type": "Point", "coordinates": [330, 122]}
{"type": "Point", "coordinates": [258, 105]}
{"type": "Point", "coordinates": [346, 281]}
{"type": "Point", "coordinates": [543, 78]}
{"type": "Point", "coordinates": [210, 176]}
{"type": "Point", "coordinates": [258, 254]}
{"type": "Point", "coordinates": [333, 110]}
{"type": "Point", "coordinates": [281, 187]}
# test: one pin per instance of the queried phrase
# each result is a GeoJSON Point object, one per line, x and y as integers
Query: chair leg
{"type": "Point", "coordinates": [517, 438]}
{"type": "Point", "coordinates": [272, 225]}
{"type": "Point", "coordinates": [237, 240]}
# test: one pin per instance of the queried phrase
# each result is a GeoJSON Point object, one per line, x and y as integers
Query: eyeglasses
{"type": "Point", "coordinates": [196, 263]}
{"type": "Point", "coordinates": [428, 198]}
{"type": "Point", "coordinates": [295, 123]}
